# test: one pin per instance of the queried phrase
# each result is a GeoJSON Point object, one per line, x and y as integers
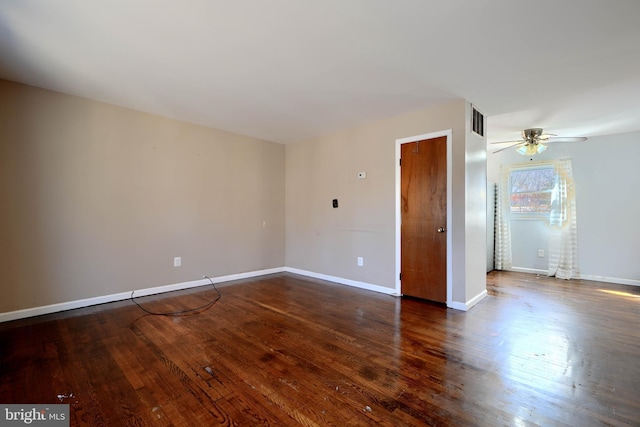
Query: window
{"type": "Point", "coordinates": [541, 191]}
{"type": "Point", "coordinates": [530, 191]}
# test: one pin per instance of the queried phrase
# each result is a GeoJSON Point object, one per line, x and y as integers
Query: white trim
{"type": "Point", "coordinates": [590, 277]}
{"type": "Point", "coordinates": [63, 306]}
{"type": "Point", "coordinates": [70, 305]}
{"type": "Point", "coordinates": [632, 282]}
{"type": "Point", "coordinates": [53, 308]}
{"type": "Point", "coordinates": [473, 301]}
{"type": "Point", "coordinates": [528, 270]}
{"type": "Point", "coordinates": [449, 134]}
{"type": "Point", "coordinates": [342, 281]}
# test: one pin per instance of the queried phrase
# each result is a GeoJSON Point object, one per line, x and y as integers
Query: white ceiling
{"type": "Point", "coordinates": [288, 70]}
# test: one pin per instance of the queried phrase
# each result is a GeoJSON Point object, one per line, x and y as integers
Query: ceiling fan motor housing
{"type": "Point", "coordinates": [532, 135]}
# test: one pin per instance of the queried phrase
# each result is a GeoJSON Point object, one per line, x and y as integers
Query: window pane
{"type": "Point", "coordinates": [531, 202]}
{"type": "Point", "coordinates": [528, 180]}
{"type": "Point", "coordinates": [531, 190]}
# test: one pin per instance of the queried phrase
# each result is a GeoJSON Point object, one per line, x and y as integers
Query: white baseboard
{"type": "Point", "coordinates": [342, 281]}
{"type": "Point", "coordinates": [616, 280]}
{"type": "Point", "coordinates": [54, 308]}
{"type": "Point", "coordinates": [467, 306]}
{"type": "Point", "coordinates": [363, 285]}
{"type": "Point", "coordinates": [528, 270]}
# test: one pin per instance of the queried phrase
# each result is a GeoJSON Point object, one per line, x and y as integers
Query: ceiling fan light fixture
{"type": "Point", "coordinates": [531, 149]}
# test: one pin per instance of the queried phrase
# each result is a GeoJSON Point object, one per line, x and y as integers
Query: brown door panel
{"type": "Point", "coordinates": [423, 208]}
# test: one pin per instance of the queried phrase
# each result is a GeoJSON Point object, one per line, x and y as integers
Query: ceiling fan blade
{"type": "Point", "coordinates": [517, 141]}
{"type": "Point", "coordinates": [566, 139]}
{"type": "Point", "coordinates": [510, 146]}
{"type": "Point", "coordinates": [546, 137]}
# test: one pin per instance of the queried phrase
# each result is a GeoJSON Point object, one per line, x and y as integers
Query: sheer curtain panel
{"type": "Point", "coordinates": [563, 228]}
{"type": "Point", "coordinates": [502, 257]}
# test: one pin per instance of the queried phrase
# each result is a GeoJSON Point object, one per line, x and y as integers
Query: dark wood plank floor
{"type": "Point", "coordinates": [286, 350]}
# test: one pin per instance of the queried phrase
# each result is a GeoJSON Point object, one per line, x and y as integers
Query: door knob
{"type": "Point", "coordinates": [441, 230]}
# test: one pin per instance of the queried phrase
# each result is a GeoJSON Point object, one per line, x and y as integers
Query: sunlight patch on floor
{"type": "Point", "coordinates": [620, 293]}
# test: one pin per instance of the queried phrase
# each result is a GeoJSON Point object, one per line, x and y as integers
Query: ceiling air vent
{"type": "Point", "coordinates": [477, 121]}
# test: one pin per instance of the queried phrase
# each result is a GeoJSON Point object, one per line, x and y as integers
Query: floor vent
{"type": "Point", "coordinates": [477, 122]}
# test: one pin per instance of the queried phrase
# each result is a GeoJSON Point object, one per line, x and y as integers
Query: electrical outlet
{"type": "Point", "coordinates": [540, 253]}
{"type": "Point", "coordinates": [360, 261]}
{"type": "Point", "coordinates": [177, 261]}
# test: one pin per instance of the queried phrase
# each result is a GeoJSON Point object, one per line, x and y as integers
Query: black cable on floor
{"type": "Point", "coordinates": [182, 312]}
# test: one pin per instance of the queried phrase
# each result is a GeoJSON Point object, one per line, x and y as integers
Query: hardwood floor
{"type": "Point", "coordinates": [287, 350]}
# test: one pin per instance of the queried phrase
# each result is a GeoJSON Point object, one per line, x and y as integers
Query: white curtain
{"type": "Point", "coordinates": [563, 234]}
{"type": "Point", "coordinates": [502, 257]}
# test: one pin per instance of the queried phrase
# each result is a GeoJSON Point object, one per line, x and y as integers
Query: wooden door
{"type": "Point", "coordinates": [423, 210]}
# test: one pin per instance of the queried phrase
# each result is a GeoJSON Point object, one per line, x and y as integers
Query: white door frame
{"type": "Point", "coordinates": [449, 134]}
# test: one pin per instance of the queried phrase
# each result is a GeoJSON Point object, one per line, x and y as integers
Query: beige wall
{"type": "Point", "coordinates": [96, 199]}
{"type": "Point", "coordinates": [324, 240]}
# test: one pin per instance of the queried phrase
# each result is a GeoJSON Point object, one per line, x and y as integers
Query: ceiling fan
{"type": "Point", "coordinates": [533, 141]}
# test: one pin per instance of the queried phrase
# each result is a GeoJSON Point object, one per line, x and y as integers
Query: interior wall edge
{"type": "Point", "coordinates": [466, 306]}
